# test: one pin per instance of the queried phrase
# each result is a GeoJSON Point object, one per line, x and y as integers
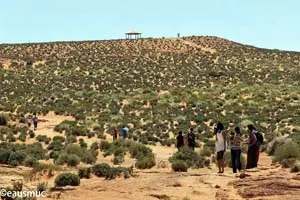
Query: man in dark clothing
{"type": "Point", "coordinates": [191, 137]}
{"type": "Point", "coordinates": [115, 134]}
{"type": "Point", "coordinates": [252, 148]}
{"type": "Point", "coordinates": [180, 141]}
{"type": "Point", "coordinates": [35, 122]}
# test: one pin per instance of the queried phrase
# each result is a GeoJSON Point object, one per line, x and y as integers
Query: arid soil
{"type": "Point", "coordinates": [268, 182]}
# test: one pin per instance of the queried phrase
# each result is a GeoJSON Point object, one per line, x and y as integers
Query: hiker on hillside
{"type": "Point", "coordinates": [35, 122]}
{"type": "Point", "coordinates": [252, 148]}
{"type": "Point", "coordinates": [124, 132]}
{"type": "Point", "coordinates": [179, 141]}
{"type": "Point", "coordinates": [29, 121]}
{"type": "Point", "coordinates": [235, 146]}
{"type": "Point", "coordinates": [115, 134]}
{"type": "Point", "coordinates": [191, 138]}
{"type": "Point", "coordinates": [220, 145]}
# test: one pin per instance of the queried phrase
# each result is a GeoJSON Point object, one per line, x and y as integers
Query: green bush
{"type": "Point", "coordinates": [31, 134]}
{"type": "Point", "coordinates": [288, 150]}
{"type": "Point", "coordinates": [30, 161]}
{"type": "Point", "coordinates": [101, 170]}
{"type": "Point", "coordinates": [3, 119]}
{"type": "Point", "coordinates": [206, 152]}
{"type": "Point", "coordinates": [179, 166]}
{"type": "Point", "coordinates": [274, 144]}
{"type": "Point", "coordinates": [4, 156]}
{"type": "Point", "coordinates": [84, 172]}
{"type": "Point", "coordinates": [73, 160]}
{"type": "Point", "coordinates": [104, 145]}
{"type": "Point", "coordinates": [65, 179]}
{"type": "Point", "coordinates": [11, 138]}
{"type": "Point", "coordinates": [145, 163]}
{"type": "Point", "coordinates": [16, 158]}
{"type": "Point", "coordinates": [55, 145]}
{"type": "Point", "coordinates": [62, 159]}
{"type": "Point", "coordinates": [192, 159]}
{"type": "Point", "coordinates": [61, 139]}
{"type": "Point", "coordinates": [22, 137]}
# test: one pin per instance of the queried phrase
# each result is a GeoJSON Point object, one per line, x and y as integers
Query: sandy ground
{"type": "Point", "coordinates": [266, 183]}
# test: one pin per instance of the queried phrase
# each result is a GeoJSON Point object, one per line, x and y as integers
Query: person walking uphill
{"type": "Point", "coordinates": [124, 132]}
{"type": "Point", "coordinates": [115, 134]}
{"type": "Point", "coordinates": [179, 141]}
{"type": "Point", "coordinates": [191, 137]}
{"type": "Point", "coordinates": [220, 145]}
{"type": "Point", "coordinates": [252, 148]}
{"type": "Point", "coordinates": [235, 144]}
{"type": "Point", "coordinates": [35, 122]}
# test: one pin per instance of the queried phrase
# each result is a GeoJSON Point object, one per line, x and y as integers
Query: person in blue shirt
{"type": "Point", "coordinates": [124, 132]}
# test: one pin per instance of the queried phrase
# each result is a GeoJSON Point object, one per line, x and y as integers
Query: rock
{"type": "Point", "coordinates": [217, 186]}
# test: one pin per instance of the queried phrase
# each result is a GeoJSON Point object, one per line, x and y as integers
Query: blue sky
{"type": "Point", "coordinates": [263, 23]}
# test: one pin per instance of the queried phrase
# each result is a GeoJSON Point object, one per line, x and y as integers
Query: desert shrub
{"type": "Point", "coordinates": [192, 159]}
{"type": "Point", "coordinates": [4, 156]}
{"type": "Point", "coordinates": [295, 168]}
{"type": "Point", "coordinates": [61, 139]}
{"type": "Point", "coordinates": [65, 179]}
{"type": "Point", "coordinates": [94, 146]}
{"type": "Point", "coordinates": [54, 154]}
{"type": "Point", "coordinates": [55, 145]}
{"type": "Point", "coordinates": [89, 157]}
{"type": "Point", "coordinates": [62, 159]}
{"type": "Point", "coordinates": [16, 158]}
{"type": "Point", "coordinates": [3, 119]}
{"type": "Point", "coordinates": [82, 144]}
{"type": "Point", "coordinates": [145, 163]}
{"type": "Point", "coordinates": [30, 161]}
{"type": "Point", "coordinates": [71, 139]}
{"type": "Point", "coordinates": [73, 160]}
{"type": "Point", "coordinates": [84, 172]}
{"type": "Point", "coordinates": [179, 166]}
{"type": "Point", "coordinates": [11, 138]}
{"type": "Point", "coordinates": [42, 138]}
{"type": "Point", "coordinates": [104, 145]}
{"type": "Point", "coordinates": [22, 137]}
{"type": "Point", "coordinates": [42, 186]}
{"type": "Point", "coordinates": [36, 150]}
{"type": "Point", "coordinates": [101, 170]}
{"type": "Point", "coordinates": [274, 144]}
{"type": "Point", "coordinates": [288, 150]}
{"type": "Point", "coordinates": [287, 163]}
{"type": "Point", "coordinates": [31, 134]}
{"type": "Point", "coordinates": [206, 152]}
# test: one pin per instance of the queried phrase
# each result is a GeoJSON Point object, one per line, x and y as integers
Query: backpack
{"type": "Point", "coordinates": [259, 137]}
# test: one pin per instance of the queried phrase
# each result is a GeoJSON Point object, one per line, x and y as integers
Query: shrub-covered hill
{"type": "Point", "coordinates": [154, 85]}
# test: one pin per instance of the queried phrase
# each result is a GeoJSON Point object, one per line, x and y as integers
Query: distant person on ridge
{"type": "Point", "coordinates": [115, 134]}
{"type": "Point", "coordinates": [235, 146]}
{"type": "Point", "coordinates": [252, 148]}
{"type": "Point", "coordinates": [220, 145]}
{"type": "Point", "coordinates": [179, 141]}
{"type": "Point", "coordinates": [124, 132]}
{"type": "Point", "coordinates": [29, 121]}
{"type": "Point", "coordinates": [191, 137]}
{"type": "Point", "coordinates": [35, 122]}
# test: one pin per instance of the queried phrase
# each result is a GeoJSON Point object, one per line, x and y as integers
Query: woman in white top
{"type": "Point", "coordinates": [220, 145]}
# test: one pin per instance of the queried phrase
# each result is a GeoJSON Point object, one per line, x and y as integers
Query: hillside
{"type": "Point", "coordinates": [156, 87]}
{"type": "Point", "coordinates": [204, 78]}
